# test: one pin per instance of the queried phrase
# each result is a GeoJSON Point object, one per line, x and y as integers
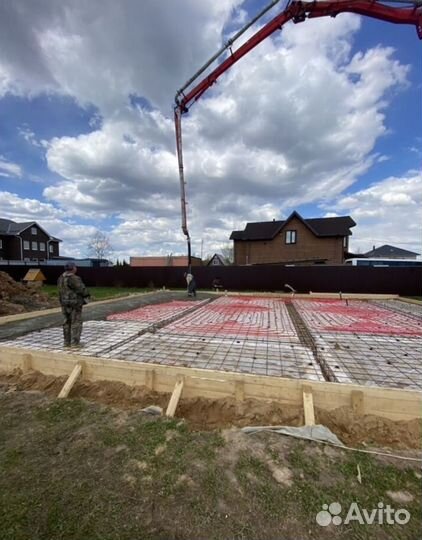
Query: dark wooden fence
{"type": "Point", "coordinates": [348, 279]}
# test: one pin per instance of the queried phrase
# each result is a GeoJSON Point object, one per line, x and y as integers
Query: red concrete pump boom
{"type": "Point", "coordinates": [296, 11]}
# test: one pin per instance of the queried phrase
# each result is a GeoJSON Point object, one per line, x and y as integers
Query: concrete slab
{"type": "Point", "coordinates": [223, 354]}
{"type": "Point", "coordinates": [413, 310]}
{"type": "Point", "coordinates": [98, 337]}
{"type": "Point", "coordinates": [362, 342]}
{"type": "Point", "coordinates": [356, 317]}
{"type": "Point", "coordinates": [158, 313]}
{"type": "Point", "coordinates": [255, 318]}
{"type": "Point", "coordinates": [366, 343]}
{"type": "Point", "coordinates": [389, 361]}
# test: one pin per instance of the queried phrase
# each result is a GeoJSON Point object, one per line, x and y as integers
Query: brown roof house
{"type": "Point", "coordinates": [293, 241]}
{"type": "Point", "coordinates": [169, 260]}
{"type": "Point", "coordinates": [26, 242]}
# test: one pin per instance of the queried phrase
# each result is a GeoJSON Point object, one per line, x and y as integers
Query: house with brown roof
{"type": "Point", "coordinates": [293, 241]}
{"type": "Point", "coordinates": [169, 260]}
{"type": "Point", "coordinates": [26, 241]}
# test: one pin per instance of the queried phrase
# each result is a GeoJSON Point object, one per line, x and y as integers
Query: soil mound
{"type": "Point", "coordinates": [18, 298]}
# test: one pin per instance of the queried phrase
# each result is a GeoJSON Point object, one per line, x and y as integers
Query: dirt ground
{"type": "Point", "coordinates": [208, 414]}
{"type": "Point", "coordinates": [75, 470]}
{"type": "Point", "coordinates": [19, 298]}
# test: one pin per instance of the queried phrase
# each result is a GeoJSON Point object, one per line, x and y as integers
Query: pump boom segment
{"type": "Point", "coordinates": [296, 11]}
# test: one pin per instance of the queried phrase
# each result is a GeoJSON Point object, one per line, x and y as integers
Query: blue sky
{"type": "Point", "coordinates": [325, 119]}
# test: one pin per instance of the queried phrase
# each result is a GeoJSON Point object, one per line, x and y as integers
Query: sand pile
{"type": "Point", "coordinates": [17, 298]}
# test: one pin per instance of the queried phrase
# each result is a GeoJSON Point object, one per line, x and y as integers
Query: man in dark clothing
{"type": "Point", "coordinates": [191, 283]}
{"type": "Point", "coordinates": [72, 295]}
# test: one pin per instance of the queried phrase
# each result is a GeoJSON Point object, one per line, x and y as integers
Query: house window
{"type": "Point", "coordinates": [291, 237]}
{"type": "Point", "coordinates": [1, 244]}
{"type": "Point", "coordinates": [25, 244]}
{"type": "Point", "coordinates": [34, 246]}
{"type": "Point", "coordinates": [51, 248]}
{"type": "Point", "coordinates": [33, 230]}
{"type": "Point", "coordinates": [42, 246]}
{"type": "Point", "coordinates": [345, 242]}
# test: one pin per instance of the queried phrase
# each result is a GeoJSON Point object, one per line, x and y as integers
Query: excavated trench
{"type": "Point", "coordinates": [210, 414]}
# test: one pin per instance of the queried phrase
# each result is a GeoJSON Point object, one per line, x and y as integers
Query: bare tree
{"type": "Point", "coordinates": [99, 246]}
{"type": "Point", "coordinates": [228, 254]}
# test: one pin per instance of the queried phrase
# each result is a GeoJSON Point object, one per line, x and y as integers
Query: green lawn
{"type": "Point", "coordinates": [99, 293]}
{"type": "Point", "coordinates": [73, 470]}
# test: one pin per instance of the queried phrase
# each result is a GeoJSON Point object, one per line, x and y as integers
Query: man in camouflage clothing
{"type": "Point", "coordinates": [72, 295]}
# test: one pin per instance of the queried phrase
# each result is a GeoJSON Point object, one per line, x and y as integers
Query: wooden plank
{"type": "Point", "coordinates": [174, 400]}
{"type": "Point", "coordinates": [410, 301]}
{"type": "Point", "coordinates": [358, 402]}
{"type": "Point", "coordinates": [150, 379]}
{"type": "Point", "coordinates": [352, 296]}
{"type": "Point", "coordinates": [26, 362]}
{"type": "Point", "coordinates": [68, 385]}
{"type": "Point", "coordinates": [239, 390]}
{"type": "Point", "coordinates": [396, 404]}
{"type": "Point", "coordinates": [308, 405]}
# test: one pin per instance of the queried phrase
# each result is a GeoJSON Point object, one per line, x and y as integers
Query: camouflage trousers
{"type": "Point", "coordinates": [72, 324]}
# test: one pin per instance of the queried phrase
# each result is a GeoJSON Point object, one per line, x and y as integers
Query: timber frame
{"type": "Point", "coordinates": [394, 404]}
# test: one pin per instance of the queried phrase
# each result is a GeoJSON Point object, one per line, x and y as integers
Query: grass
{"type": "Point", "coordinates": [99, 293]}
{"type": "Point", "coordinates": [73, 470]}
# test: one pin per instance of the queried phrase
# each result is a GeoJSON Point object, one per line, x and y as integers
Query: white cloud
{"type": "Point", "coordinates": [24, 209]}
{"type": "Point", "coordinates": [294, 122]}
{"type": "Point", "coordinates": [53, 220]}
{"type": "Point", "coordinates": [387, 212]}
{"type": "Point", "coordinates": [9, 169]}
{"type": "Point", "coordinates": [101, 51]}
{"type": "Point", "coordinates": [271, 131]}
{"type": "Point", "coordinates": [26, 133]}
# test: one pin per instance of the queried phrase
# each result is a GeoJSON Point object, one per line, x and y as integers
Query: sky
{"type": "Point", "coordinates": [323, 118]}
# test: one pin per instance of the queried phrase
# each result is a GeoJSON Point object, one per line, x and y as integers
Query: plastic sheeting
{"type": "Point", "coordinates": [313, 433]}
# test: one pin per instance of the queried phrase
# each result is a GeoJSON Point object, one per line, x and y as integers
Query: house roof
{"type": "Point", "coordinates": [11, 228]}
{"type": "Point", "coordinates": [388, 251]}
{"type": "Point", "coordinates": [219, 257]}
{"type": "Point", "coordinates": [267, 230]}
{"type": "Point", "coordinates": [8, 227]}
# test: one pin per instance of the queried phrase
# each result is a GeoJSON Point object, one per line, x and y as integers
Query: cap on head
{"type": "Point", "coordinates": [69, 266]}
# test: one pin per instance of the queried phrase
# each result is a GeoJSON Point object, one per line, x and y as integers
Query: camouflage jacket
{"type": "Point", "coordinates": [72, 291]}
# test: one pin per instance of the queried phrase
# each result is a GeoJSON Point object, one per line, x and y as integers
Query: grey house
{"type": "Point", "coordinates": [390, 252]}
{"type": "Point", "coordinates": [26, 241]}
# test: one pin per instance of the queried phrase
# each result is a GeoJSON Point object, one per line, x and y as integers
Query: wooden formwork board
{"type": "Point", "coordinates": [311, 295]}
{"type": "Point", "coordinates": [395, 404]}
